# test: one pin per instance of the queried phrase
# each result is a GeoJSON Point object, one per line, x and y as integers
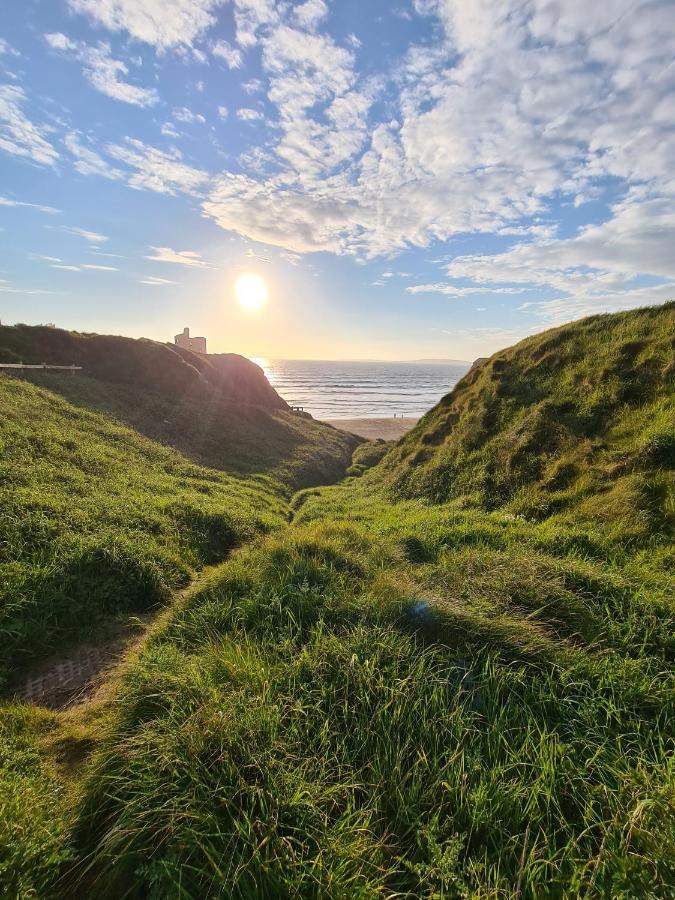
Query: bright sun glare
{"type": "Point", "coordinates": [251, 291]}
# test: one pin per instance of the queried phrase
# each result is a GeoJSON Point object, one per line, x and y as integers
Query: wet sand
{"type": "Point", "coordinates": [389, 429]}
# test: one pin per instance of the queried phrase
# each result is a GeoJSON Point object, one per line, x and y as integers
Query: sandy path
{"type": "Point", "coordinates": [389, 429]}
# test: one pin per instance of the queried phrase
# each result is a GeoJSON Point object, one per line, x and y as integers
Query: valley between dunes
{"type": "Point", "coordinates": [436, 667]}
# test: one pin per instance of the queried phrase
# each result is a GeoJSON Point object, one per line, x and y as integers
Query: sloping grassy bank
{"type": "Point", "coordinates": [579, 418]}
{"type": "Point", "coordinates": [97, 520]}
{"type": "Point", "coordinates": [213, 431]}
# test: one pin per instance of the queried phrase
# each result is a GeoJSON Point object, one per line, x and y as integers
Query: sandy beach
{"type": "Point", "coordinates": [389, 429]}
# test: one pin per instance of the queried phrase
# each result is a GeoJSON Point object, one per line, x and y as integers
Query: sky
{"type": "Point", "coordinates": [412, 178]}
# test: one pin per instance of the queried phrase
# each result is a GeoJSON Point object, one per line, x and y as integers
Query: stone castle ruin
{"type": "Point", "coordinates": [198, 344]}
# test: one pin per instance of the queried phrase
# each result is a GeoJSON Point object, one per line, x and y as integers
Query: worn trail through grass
{"type": "Point", "coordinates": [80, 675]}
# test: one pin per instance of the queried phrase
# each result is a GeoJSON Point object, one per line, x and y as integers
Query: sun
{"type": "Point", "coordinates": [251, 291]}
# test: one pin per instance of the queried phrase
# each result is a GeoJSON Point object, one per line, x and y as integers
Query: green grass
{"type": "Point", "coordinates": [327, 718]}
{"type": "Point", "coordinates": [451, 676]}
{"type": "Point", "coordinates": [97, 520]}
{"type": "Point", "coordinates": [580, 419]}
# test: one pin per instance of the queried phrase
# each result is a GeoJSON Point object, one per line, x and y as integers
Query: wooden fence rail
{"type": "Point", "coordinates": [42, 366]}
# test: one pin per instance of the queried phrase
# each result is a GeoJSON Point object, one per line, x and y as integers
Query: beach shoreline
{"type": "Point", "coordinates": [389, 429]}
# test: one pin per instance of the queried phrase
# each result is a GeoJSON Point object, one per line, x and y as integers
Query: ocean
{"type": "Point", "coordinates": [349, 390]}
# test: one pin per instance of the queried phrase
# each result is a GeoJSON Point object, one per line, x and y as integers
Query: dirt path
{"type": "Point", "coordinates": [68, 680]}
{"type": "Point", "coordinates": [64, 681]}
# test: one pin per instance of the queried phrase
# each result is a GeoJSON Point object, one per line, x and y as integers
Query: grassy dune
{"type": "Point", "coordinates": [451, 676]}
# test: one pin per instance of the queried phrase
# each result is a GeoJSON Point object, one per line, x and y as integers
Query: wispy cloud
{"type": "Point", "coordinates": [102, 71]}
{"type": "Point", "coordinates": [453, 290]}
{"type": "Point", "coordinates": [6, 49]}
{"type": "Point", "coordinates": [294, 259]}
{"type": "Point", "coordinates": [151, 279]}
{"type": "Point", "coordinates": [18, 134]}
{"type": "Point", "coordinates": [92, 236]}
{"type": "Point", "coordinates": [50, 210]}
{"type": "Point", "coordinates": [157, 170]}
{"type": "Point", "coordinates": [88, 161]}
{"type": "Point", "coordinates": [180, 257]}
{"type": "Point", "coordinates": [43, 258]}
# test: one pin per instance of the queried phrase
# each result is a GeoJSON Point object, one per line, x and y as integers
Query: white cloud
{"type": "Point", "coordinates": [168, 129]}
{"type": "Point", "coordinates": [151, 279]}
{"type": "Point", "coordinates": [92, 236]}
{"type": "Point", "coordinates": [474, 141]}
{"type": "Point", "coordinates": [638, 239]}
{"type": "Point", "coordinates": [183, 114]}
{"type": "Point", "coordinates": [157, 170]}
{"type": "Point", "coordinates": [293, 259]}
{"type": "Point", "coordinates": [6, 288]}
{"type": "Point", "coordinates": [252, 86]}
{"type": "Point", "coordinates": [249, 115]}
{"type": "Point", "coordinates": [274, 212]}
{"type": "Point", "coordinates": [50, 210]}
{"type": "Point", "coordinates": [560, 310]}
{"type": "Point", "coordinates": [452, 290]}
{"type": "Point", "coordinates": [88, 161]}
{"type": "Point", "coordinates": [232, 57]}
{"type": "Point", "coordinates": [256, 160]}
{"type": "Point", "coordinates": [6, 49]}
{"type": "Point", "coordinates": [102, 71]}
{"type": "Point", "coordinates": [59, 41]}
{"type": "Point", "coordinates": [310, 13]}
{"type": "Point", "coordinates": [251, 16]}
{"type": "Point", "coordinates": [598, 270]}
{"type": "Point", "coordinates": [56, 263]}
{"type": "Point", "coordinates": [182, 257]}
{"type": "Point", "coordinates": [164, 23]}
{"type": "Point", "coordinates": [223, 112]}
{"type": "Point", "coordinates": [18, 135]}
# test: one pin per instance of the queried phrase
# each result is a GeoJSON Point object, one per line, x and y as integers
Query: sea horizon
{"type": "Point", "coordinates": [355, 389]}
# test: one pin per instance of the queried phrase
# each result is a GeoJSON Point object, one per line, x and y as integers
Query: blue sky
{"type": "Point", "coordinates": [421, 179]}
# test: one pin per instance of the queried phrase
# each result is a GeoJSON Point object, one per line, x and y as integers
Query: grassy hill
{"type": "Point", "coordinates": [578, 419]}
{"type": "Point", "coordinates": [450, 676]}
{"type": "Point", "coordinates": [144, 364]}
{"type": "Point", "coordinates": [99, 518]}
